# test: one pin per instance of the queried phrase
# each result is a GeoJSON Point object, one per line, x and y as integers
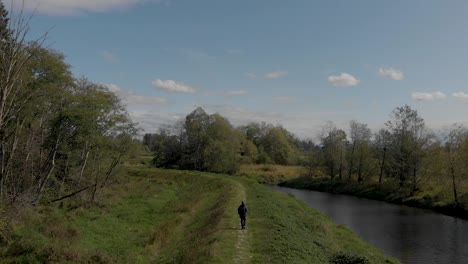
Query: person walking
{"type": "Point", "coordinates": [242, 211]}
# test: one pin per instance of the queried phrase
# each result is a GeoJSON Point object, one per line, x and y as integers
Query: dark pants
{"type": "Point", "coordinates": [243, 222]}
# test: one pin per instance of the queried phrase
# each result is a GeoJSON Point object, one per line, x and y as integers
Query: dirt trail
{"type": "Point", "coordinates": [242, 246]}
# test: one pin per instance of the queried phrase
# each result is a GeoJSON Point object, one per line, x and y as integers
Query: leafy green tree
{"type": "Point", "coordinates": [166, 148]}
{"type": "Point", "coordinates": [279, 147]}
{"type": "Point", "coordinates": [333, 142]}
{"type": "Point", "coordinates": [358, 148]}
{"type": "Point", "coordinates": [196, 126]}
{"type": "Point", "coordinates": [382, 141]}
{"type": "Point", "coordinates": [455, 143]}
{"type": "Point", "coordinates": [222, 153]}
{"type": "Point", "coordinates": [274, 144]}
{"type": "Point", "coordinates": [409, 136]}
{"type": "Point", "coordinates": [249, 152]}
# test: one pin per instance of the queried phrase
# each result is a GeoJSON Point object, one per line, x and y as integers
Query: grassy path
{"type": "Point", "coordinates": [242, 245]}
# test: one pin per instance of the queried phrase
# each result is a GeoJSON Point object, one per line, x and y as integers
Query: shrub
{"type": "Point", "coordinates": [348, 258]}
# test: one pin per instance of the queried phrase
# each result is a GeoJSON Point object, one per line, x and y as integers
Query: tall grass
{"type": "Point", "coordinates": [152, 216]}
{"type": "Point", "coordinates": [271, 173]}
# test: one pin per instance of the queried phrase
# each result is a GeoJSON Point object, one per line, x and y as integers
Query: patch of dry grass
{"type": "Point", "coordinates": [270, 173]}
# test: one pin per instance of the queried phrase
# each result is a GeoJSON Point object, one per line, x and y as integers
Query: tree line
{"type": "Point", "coordinates": [210, 143]}
{"type": "Point", "coordinates": [405, 152]}
{"type": "Point", "coordinates": [59, 135]}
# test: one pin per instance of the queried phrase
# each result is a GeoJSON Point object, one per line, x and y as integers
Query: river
{"type": "Point", "coordinates": [413, 235]}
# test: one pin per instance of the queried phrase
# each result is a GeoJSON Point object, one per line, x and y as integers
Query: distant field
{"type": "Point", "coordinates": [170, 216]}
{"type": "Point", "coordinates": [271, 173]}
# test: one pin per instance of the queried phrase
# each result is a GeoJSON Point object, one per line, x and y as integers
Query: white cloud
{"type": "Point", "coordinates": [394, 74]}
{"type": "Point", "coordinates": [428, 96]}
{"type": "Point", "coordinates": [275, 75]}
{"type": "Point", "coordinates": [150, 121]}
{"type": "Point", "coordinates": [343, 80]}
{"type": "Point", "coordinates": [110, 57]}
{"type": "Point", "coordinates": [235, 92]}
{"type": "Point", "coordinates": [130, 98]}
{"type": "Point", "coordinates": [68, 7]}
{"type": "Point", "coordinates": [461, 95]}
{"type": "Point", "coordinates": [173, 86]}
{"type": "Point", "coordinates": [251, 75]}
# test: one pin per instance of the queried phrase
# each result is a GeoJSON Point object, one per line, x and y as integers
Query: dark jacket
{"type": "Point", "coordinates": [242, 210]}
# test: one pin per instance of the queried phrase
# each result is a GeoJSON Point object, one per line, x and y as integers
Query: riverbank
{"type": "Point", "coordinates": [167, 216]}
{"type": "Point", "coordinates": [386, 192]}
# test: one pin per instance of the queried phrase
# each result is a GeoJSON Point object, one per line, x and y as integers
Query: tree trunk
{"type": "Point", "coordinates": [83, 167]}
{"type": "Point", "coordinates": [46, 178]}
{"type": "Point", "coordinates": [114, 163]}
{"type": "Point", "coordinates": [360, 167]}
{"type": "Point", "coordinates": [452, 172]}
{"type": "Point", "coordinates": [414, 179]}
{"type": "Point", "coordinates": [341, 163]}
{"type": "Point", "coordinates": [382, 166]}
{"type": "Point", "coordinates": [350, 171]}
{"type": "Point", "coordinates": [332, 170]}
{"type": "Point", "coordinates": [98, 172]}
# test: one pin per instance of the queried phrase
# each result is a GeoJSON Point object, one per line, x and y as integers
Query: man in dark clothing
{"type": "Point", "coordinates": [242, 211]}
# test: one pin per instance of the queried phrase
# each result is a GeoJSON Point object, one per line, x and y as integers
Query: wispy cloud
{"type": "Point", "coordinates": [428, 96]}
{"type": "Point", "coordinates": [110, 57]}
{"type": "Point", "coordinates": [251, 75]}
{"type": "Point", "coordinates": [461, 95]}
{"type": "Point", "coordinates": [235, 92]}
{"type": "Point", "coordinates": [129, 97]}
{"type": "Point", "coordinates": [173, 86]}
{"type": "Point", "coordinates": [343, 80]}
{"type": "Point", "coordinates": [275, 75]}
{"type": "Point", "coordinates": [70, 7]}
{"type": "Point", "coordinates": [394, 74]}
{"type": "Point", "coordinates": [269, 75]}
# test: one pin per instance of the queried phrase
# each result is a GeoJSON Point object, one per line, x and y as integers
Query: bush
{"type": "Point", "coordinates": [348, 258]}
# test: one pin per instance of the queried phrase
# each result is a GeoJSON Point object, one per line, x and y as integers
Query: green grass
{"type": "Point", "coordinates": [155, 216]}
{"type": "Point", "coordinates": [166, 216]}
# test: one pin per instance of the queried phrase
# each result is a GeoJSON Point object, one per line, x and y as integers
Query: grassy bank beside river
{"type": "Point", "coordinates": [167, 216]}
{"type": "Point", "coordinates": [386, 192]}
{"type": "Point", "coordinates": [434, 193]}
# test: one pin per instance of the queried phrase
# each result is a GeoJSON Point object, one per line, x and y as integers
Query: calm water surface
{"type": "Point", "coordinates": [410, 234]}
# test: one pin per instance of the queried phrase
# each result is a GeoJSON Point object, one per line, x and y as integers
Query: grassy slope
{"type": "Point", "coordinates": [285, 230]}
{"type": "Point", "coordinates": [163, 216]}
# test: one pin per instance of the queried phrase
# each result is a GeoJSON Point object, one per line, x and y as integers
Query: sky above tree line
{"type": "Point", "coordinates": [296, 63]}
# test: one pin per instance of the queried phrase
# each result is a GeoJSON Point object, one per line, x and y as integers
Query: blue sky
{"type": "Point", "coordinates": [297, 63]}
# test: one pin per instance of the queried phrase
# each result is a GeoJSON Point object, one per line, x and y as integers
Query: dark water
{"type": "Point", "coordinates": [412, 235]}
